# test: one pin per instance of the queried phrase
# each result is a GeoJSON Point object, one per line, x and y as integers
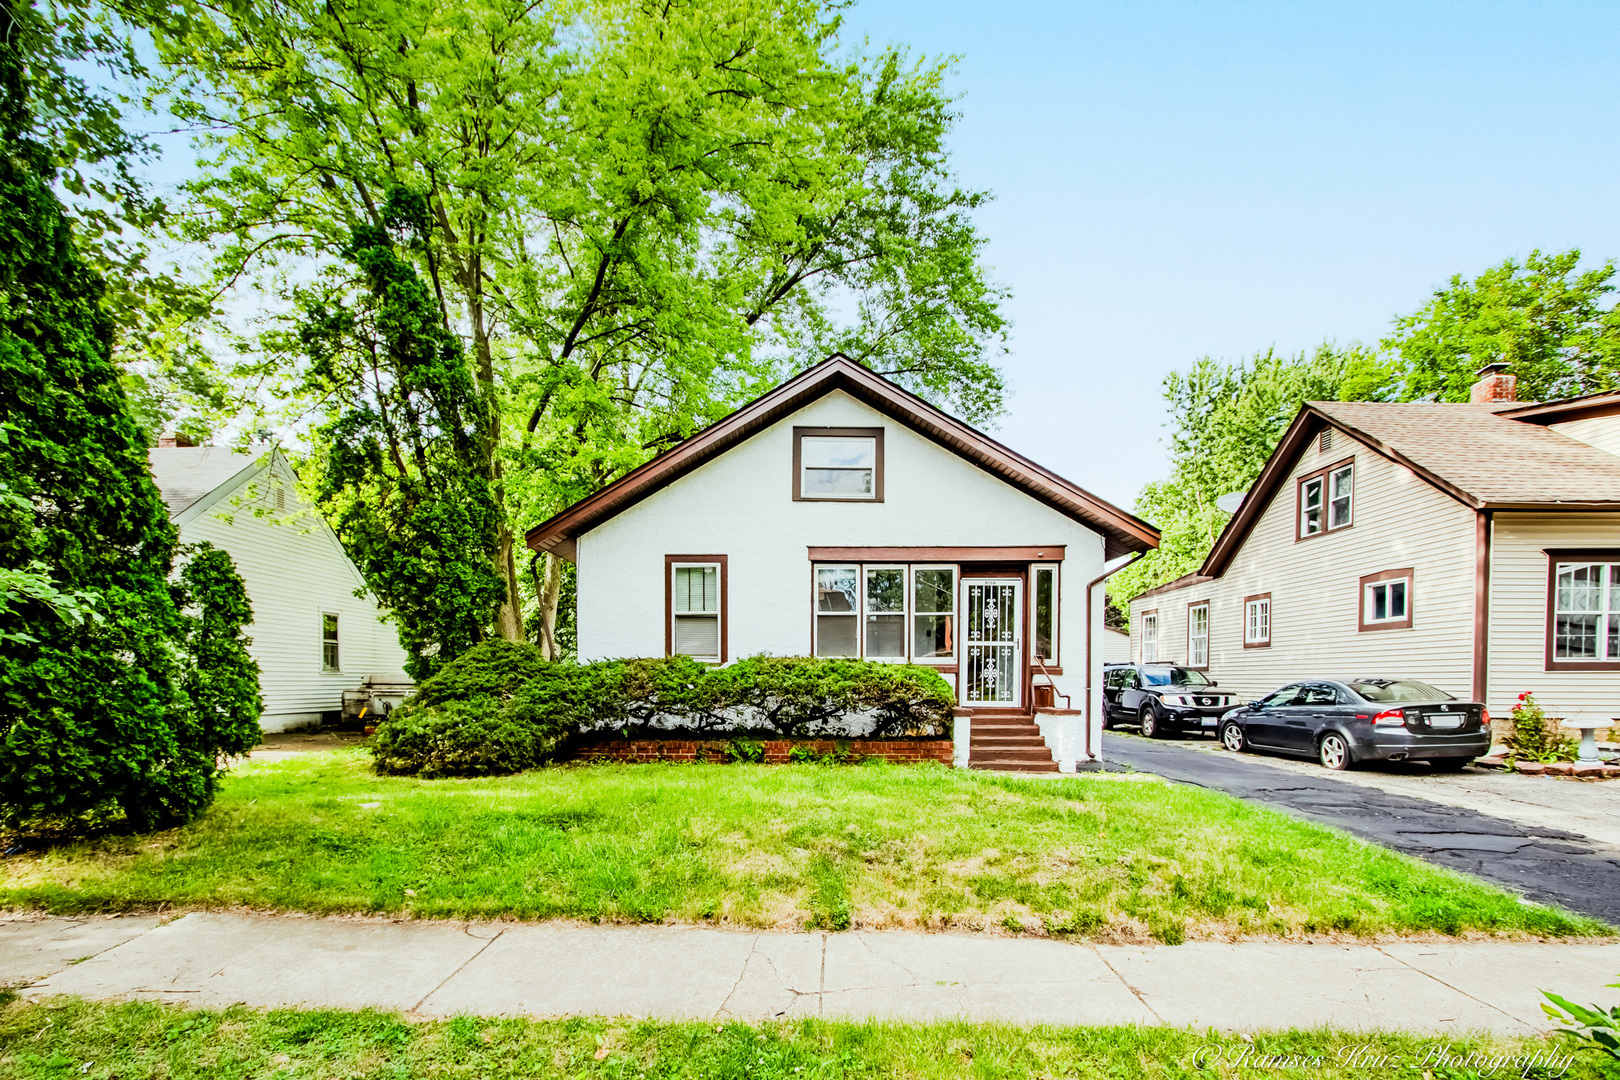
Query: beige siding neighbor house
{"type": "Point", "coordinates": [1475, 547]}
{"type": "Point", "coordinates": [311, 635]}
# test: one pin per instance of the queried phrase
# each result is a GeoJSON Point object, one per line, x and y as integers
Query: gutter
{"type": "Point", "coordinates": [1093, 720]}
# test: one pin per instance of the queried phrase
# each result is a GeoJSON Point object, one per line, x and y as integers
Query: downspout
{"type": "Point", "coordinates": [1093, 717]}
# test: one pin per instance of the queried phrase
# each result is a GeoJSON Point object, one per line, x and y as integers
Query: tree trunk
{"type": "Point", "coordinates": [509, 616]}
{"type": "Point", "coordinates": [547, 595]}
{"type": "Point", "coordinates": [509, 619]}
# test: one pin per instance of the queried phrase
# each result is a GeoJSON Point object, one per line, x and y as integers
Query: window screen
{"type": "Point", "coordinates": [697, 611]}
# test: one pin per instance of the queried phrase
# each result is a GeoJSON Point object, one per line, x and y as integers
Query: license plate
{"type": "Point", "coordinates": [1445, 721]}
{"type": "Point", "coordinates": [1209, 721]}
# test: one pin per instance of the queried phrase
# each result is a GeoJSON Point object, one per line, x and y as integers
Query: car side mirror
{"type": "Point", "coordinates": [1254, 704]}
{"type": "Point", "coordinates": [1212, 682]}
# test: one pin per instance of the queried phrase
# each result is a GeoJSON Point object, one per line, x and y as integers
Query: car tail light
{"type": "Point", "coordinates": [1390, 718]}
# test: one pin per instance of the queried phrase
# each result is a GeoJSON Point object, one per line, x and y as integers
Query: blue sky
{"type": "Point", "coordinates": [1180, 179]}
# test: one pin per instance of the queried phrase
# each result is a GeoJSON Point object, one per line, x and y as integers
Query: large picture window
{"type": "Point", "coordinates": [838, 464]}
{"type": "Point", "coordinates": [1583, 610]}
{"type": "Point", "coordinates": [1326, 500]}
{"type": "Point", "coordinates": [696, 615]}
{"type": "Point", "coordinates": [1198, 635]}
{"type": "Point", "coordinates": [886, 612]}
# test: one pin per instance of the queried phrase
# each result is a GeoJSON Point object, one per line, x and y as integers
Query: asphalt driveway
{"type": "Point", "coordinates": [1541, 863]}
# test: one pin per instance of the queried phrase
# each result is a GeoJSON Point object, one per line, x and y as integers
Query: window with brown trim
{"type": "Point", "coordinates": [695, 588]}
{"type": "Point", "coordinates": [1198, 635]}
{"type": "Point", "coordinates": [1583, 610]}
{"type": "Point", "coordinates": [1043, 613]}
{"type": "Point", "coordinates": [1386, 600]}
{"type": "Point", "coordinates": [894, 612]}
{"type": "Point", "coordinates": [837, 464]}
{"type": "Point", "coordinates": [1257, 621]}
{"type": "Point", "coordinates": [1325, 500]}
{"type": "Point", "coordinates": [1150, 636]}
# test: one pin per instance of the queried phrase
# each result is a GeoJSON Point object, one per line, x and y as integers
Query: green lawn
{"type": "Point", "coordinates": [763, 846]}
{"type": "Point", "coordinates": [69, 1038]}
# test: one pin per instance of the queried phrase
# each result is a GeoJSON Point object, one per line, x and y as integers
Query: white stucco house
{"type": "Point", "coordinates": [839, 515]}
{"type": "Point", "coordinates": [312, 636]}
{"type": "Point", "coordinates": [1473, 546]}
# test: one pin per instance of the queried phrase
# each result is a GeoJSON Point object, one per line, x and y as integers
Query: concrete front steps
{"type": "Point", "coordinates": [1007, 742]}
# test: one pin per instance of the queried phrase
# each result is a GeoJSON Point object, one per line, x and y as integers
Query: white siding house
{"type": "Point", "coordinates": [312, 636]}
{"type": "Point", "coordinates": [841, 516]}
{"type": "Point", "coordinates": [1442, 563]}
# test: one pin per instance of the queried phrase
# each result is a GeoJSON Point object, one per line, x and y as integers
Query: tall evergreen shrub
{"type": "Point", "coordinates": [130, 707]}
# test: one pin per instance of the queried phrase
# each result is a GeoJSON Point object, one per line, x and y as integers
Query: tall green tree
{"type": "Point", "coordinates": [405, 475]}
{"type": "Point", "coordinates": [1225, 419]}
{"type": "Point", "coordinates": [95, 712]}
{"type": "Point", "coordinates": [1551, 322]}
{"type": "Point", "coordinates": [642, 213]}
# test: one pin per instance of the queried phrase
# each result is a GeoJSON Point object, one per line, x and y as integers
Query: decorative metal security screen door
{"type": "Point", "coordinates": [994, 669]}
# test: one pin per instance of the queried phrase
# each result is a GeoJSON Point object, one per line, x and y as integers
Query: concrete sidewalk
{"type": "Point", "coordinates": [682, 972]}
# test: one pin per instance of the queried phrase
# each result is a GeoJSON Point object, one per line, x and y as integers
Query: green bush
{"type": "Point", "coordinates": [455, 739]}
{"type": "Point", "coordinates": [491, 669]}
{"type": "Point", "coordinates": [807, 696]}
{"type": "Point", "coordinates": [499, 708]}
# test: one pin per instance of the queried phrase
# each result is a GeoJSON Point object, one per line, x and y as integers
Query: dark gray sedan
{"type": "Point", "coordinates": [1342, 723]}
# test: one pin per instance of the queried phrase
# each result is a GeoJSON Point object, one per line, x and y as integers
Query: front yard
{"type": "Point", "coordinates": [788, 847]}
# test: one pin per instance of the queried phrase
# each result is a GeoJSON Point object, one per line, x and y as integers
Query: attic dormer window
{"type": "Point", "coordinates": [837, 464]}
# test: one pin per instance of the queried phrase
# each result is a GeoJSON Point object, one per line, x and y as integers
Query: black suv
{"type": "Point", "coordinates": [1163, 698]}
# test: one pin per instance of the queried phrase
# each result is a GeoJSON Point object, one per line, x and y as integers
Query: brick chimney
{"type": "Point", "coordinates": [174, 438]}
{"type": "Point", "coordinates": [1494, 385]}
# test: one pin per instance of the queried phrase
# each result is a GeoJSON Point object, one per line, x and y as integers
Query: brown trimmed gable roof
{"type": "Point", "coordinates": [1478, 454]}
{"type": "Point", "coordinates": [1122, 532]}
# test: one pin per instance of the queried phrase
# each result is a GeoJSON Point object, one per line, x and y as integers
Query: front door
{"type": "Point", "coordinates": [994, 672]}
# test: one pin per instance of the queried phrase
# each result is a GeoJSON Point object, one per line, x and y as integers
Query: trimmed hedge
{"type": "Point", "coordinates": [499, 708]}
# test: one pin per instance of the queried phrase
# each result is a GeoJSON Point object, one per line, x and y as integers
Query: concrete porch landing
{"type": "Point", "coordinates": [684, 972]}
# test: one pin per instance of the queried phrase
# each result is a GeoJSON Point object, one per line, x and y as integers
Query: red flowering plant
{"type": "Point", "coordinates": [1534, 737]}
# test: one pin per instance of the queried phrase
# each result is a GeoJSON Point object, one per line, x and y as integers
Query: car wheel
{"type": "Point", "coordinates": [1232, 737]}
{"type": "Point", "coordinates": [1450, 764]}
{"type": "Point", "coordinates": [1151, 728]}
{"type": "Point", "coordinates": [1334, 752]}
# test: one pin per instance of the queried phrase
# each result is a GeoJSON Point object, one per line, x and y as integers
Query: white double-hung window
{"type": "Point", "coordinates": [1150, 637]}
{"type": "Point", "coordinates": [1257, 620]}
{"type": "Point", "coordinates": [695, 610]}
{"type": "Point", "coordinates": [885, 613]}
{"type": "Point", "coordinates": [1198, 635]}
{"type": "Point", "coordinates": [1326, 500]}
{"type": "Point", "coordinates": [838, 592]}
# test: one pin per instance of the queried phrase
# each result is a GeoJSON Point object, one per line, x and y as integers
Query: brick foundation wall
{"type": "Point", "coordinates": [899, 751]}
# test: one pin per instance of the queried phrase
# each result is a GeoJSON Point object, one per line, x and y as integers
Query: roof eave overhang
{"type": "Point", "coordinates": [1563, 412]}
{"type": "Point", "coordinates": [1600, 506]}
{"type": "Point", "coordinates": [1122, 532]}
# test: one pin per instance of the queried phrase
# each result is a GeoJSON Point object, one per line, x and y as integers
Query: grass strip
{"type": "Point", "coordinates": [777, 847]}
{"type": "Point", "coordinates": [68, 1037]}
